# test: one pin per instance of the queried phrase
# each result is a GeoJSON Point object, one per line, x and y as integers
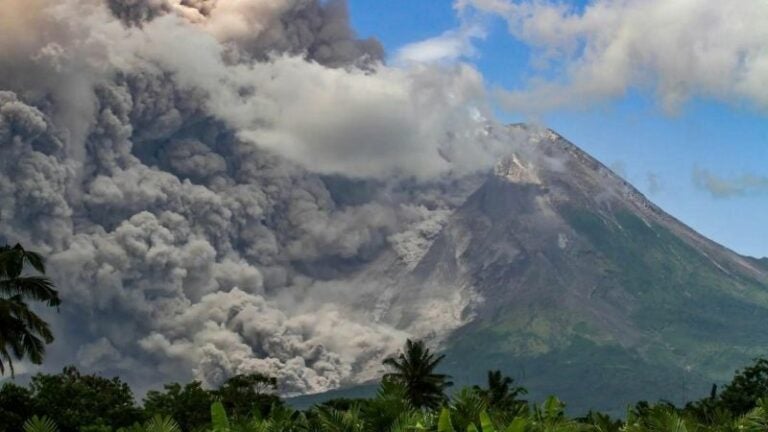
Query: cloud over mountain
{"type": "Point", "coordinates": [187, 165]}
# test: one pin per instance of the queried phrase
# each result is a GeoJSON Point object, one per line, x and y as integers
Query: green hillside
{"type": "Point", "coordinates": [689, 323]}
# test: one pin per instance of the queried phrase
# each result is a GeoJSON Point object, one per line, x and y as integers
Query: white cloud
{"type": "Point", "coordinates": [449, 47]}
{"type": "Point", "coordinates": [722, 187]}
{"type": "Point", "coordinates": [679, 49]}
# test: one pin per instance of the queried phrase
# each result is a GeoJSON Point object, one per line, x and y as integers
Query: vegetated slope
{"type": "Point", "coordinates": [586, 289]}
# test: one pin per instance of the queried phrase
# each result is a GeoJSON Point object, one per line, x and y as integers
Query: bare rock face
{"type": "Point", "coordinates": [567, 274]}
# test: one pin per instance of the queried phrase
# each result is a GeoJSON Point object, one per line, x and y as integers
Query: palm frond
{"type": "Point", "coordinates": [38, 288]}
{"type": "Point", "coordinates": [444, 421]}
{"type": "Point", "coordinates": [40, 424]}
{"type": "Point", "coordinates": [161, 424]}
{"type": "Point", "coordinates": [219, 419]}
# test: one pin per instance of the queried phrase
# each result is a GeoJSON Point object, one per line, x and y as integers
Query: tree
{"type": "Point", "coordinates": [188, 404]}
{"type": "Point", "coordinates": [246, 395]}
{"type": "Point", "coordinates": [501, 392]}
{"type": "Point", "coordinates": [466, 406]}
{"type": "Point", "coordinates": [15, 407]}
{"type": "Point", "coordinates": [381, 412]}
{"type": "Point", "coordinates": [748, 386]}
{"type": "Point", "coordinates": [22, 332]}
{"type": "Point", "coordinates": [414, 369]}
{"type": "Point", "coordinates": [75, 401]}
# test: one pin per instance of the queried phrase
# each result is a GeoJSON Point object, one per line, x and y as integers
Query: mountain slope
{"type": "Point", "coordinates": [584, 288]}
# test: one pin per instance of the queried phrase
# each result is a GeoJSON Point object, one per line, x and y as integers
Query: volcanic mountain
{"type": "Point", "coordinates": [575, 284]}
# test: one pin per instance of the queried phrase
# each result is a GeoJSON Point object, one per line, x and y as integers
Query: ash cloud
{"type": "Point", "coordinates": [175, 166]}
{"type": "Point", "coordinates": [317, 30]}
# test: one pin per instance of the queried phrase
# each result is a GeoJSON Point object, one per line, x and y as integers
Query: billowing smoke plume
{"type": "Point", "coordinates": [320, 32]}
{"type": "Point", "coordinates": [209, 177]}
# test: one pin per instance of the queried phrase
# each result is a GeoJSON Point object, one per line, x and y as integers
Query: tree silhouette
{"type": "Point", "coordinates": [244, 395]}
{"type": "Point", "coordinates": [77, 401]}
{"type": "Point", "coordinates": [188, 404]}
{"type": "Point", "coordinates": [22, 332]}
{"type": "Point", "coordinates": [414, 369]}
{"type": "Point", "coordinates": [501, 392]}
{"type": "Point", "coordinates": [747, 387]}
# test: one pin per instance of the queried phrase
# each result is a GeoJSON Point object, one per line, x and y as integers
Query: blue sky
{"type": "Point", "coordinates": [657, 150]}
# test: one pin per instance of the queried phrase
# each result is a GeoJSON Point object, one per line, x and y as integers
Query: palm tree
{"type": "Point", "coordinates": [22, 332]}
{"type": "Point", "coordinates": [501, 392]}
{"type": "Point", "coordinates": [414, 369]}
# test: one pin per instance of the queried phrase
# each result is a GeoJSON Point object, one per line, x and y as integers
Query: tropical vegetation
{"type": "Point", "coordinates": [413, 396]}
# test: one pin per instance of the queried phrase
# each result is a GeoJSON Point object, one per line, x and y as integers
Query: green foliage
{"type": "Point", "coordinates": [756, 419]}
{"type": "Point", "coordinates": [16, 405]}
{"type": "Point", "coordinates": [748, 386]}
{"type": "Point", "coordinates": [466, 413]}
{"type": "Point", "coordinates": [410, 421]}
{"type": "Point", "coordinates": [444, 422]}
{"type": "Point", "coordinates": [602, 422]}
{"type": "Point", "coordinates": [281, 419]}
{"type": "Point", "coordinates": [390, 406]}
{"type": "Point", "coordinates": [333, 420]}
{"type": "Point", "coordinates": [75, 400]}
{"type": "Point", "coordinates": [245, 395]}
{"type": "Point", "coordinates": [486, 425]}
{"type": "Point", "coordinates": [87, 403]}
{"type": "Point", "coordinates": [466, 407]}
{"type": "Point", "coordinates": [161, 424]}
{"type": "Point", "coordinates": [188, 404]}
{"type": "Point", "coordinates": [40, 424]}
{"type": "Point", "coordinates": [96, 428]}
{"type": "Point", "coordinates": [414, 369]}
{"type": "Point", "coordinates": [501, 393]}
{"type": "Point", "coordinates": [23, 334]}
{"type": "Point", "coordinates": [219, 419]}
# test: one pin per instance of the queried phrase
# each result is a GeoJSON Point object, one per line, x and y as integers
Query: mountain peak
{"type": "Point", "coordinates": [567, 267]}
{"type": "Point", "coordinates": [515, 170]}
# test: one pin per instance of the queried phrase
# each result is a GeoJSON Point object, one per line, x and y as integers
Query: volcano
{"type": "Point", "coordinates": [577, 285]}
{"type": "Point", "coordinates": [590, 291]}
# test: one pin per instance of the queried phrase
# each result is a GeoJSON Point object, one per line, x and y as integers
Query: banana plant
{"type": "Point", "coordinates": [444, 423]}
{"type": "Point", "coordinates": [518, 424]}
{"type": "Point", "coordinates": [486, 425]}
{"type": "Point", "coordinates": [219, 419]}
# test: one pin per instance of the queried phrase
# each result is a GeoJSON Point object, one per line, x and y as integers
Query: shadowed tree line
{"type": "Point", "coordinates": [411, 396]}
{"type": "Point", "coordinates": [78, 402]}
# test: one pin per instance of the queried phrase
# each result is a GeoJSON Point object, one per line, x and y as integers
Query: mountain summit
{"type": "Point", "coordinates": [575, 277]}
